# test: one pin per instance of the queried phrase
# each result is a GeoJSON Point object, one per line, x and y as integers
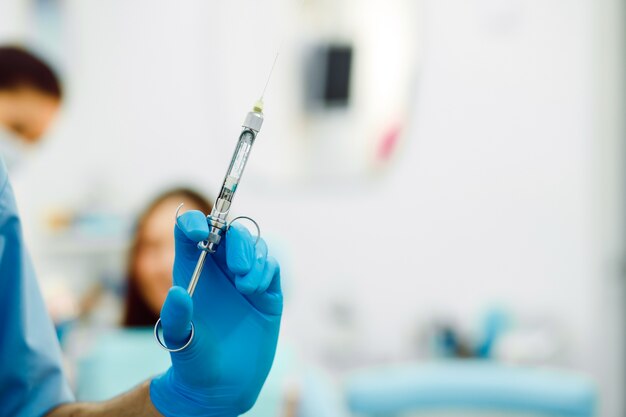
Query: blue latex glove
{"type": "Point", "coordinates": [236, 312]}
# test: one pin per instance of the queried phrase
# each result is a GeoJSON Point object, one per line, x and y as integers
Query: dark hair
{"type": "Point", "coordinates": [20, 68]}
{"type": "Point", "coordinates": [137, 312]}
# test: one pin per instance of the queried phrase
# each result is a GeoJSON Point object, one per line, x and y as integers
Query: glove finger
{"type": "Point", "coordinates": [191, 228]}
{"type": "Point", "coordinates": [176, 317]}
{"type": "Point", "coordinates": [275, 285]}
{"type": "Point", "coordinates": [270, 301]}
{"type": "Point", "coordinates": [268, 275]}
{"type": "Point", "coordinates": [250, 282]}
{"type": "Point", "coordinates": [240, 250]}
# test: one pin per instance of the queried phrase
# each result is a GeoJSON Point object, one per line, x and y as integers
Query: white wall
{"type": "Point", "coordinates": [15, 19]}
{"type": "Point", "coordinates": [509, 188]}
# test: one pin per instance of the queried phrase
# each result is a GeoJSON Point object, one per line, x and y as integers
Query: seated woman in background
{"type": "Point", "coordinates": [108, 362]}
{"type": "Point", "coordinates": [152, 255]}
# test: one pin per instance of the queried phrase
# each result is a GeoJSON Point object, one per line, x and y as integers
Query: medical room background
{"type": "Point", "coordinates": [443, 182]}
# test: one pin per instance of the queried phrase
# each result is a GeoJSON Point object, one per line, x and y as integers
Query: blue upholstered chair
{"type": "Point", "coordinates": [470, 387]}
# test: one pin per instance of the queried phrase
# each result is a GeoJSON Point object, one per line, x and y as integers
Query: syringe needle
{"type": "Point", "coordinates": [269, 77]}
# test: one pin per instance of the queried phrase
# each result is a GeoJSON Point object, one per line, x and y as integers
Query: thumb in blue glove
{"type": "Point", "coordinates": [236, 311]}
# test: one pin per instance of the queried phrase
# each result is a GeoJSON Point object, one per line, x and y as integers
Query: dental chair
{"type": "Point", "coordinates": [469, 388]}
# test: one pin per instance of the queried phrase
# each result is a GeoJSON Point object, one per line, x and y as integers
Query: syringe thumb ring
{"type": "Point", "coordinates": [158, 327]}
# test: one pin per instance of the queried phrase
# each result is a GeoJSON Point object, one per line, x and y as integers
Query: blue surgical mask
{"type": "Point", "coordinates": [13, 149]}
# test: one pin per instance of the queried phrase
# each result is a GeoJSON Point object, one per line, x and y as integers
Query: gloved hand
{"type": "Point", "coordinates": [236, 311]}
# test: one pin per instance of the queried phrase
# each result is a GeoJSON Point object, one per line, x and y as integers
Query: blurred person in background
{"type": "Point", "coordinates": [149, 267]}
{"type": "Point", "coordinates": [30, 98]}
{"type": "Point", "coordinates": [225, 337]}
{"type": "Point", "coordinates": [152, 255]}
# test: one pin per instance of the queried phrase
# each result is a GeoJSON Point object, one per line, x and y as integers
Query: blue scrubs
{"type": "Point", "coordinates": [31, 375]}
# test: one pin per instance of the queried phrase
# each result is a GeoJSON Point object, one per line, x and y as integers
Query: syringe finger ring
{"type": "Point", "coordinates": [256, 225]}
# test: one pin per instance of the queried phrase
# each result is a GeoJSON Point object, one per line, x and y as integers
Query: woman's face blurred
{"type": "Point", "coordinates": [27, 112]}
{"type": "Point", "coordinates": [155, 254]}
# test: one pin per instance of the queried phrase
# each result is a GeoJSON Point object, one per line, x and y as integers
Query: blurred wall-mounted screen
{"type": "Point", "coordinates": [337, 80]}
{"type": "Point", "coordinates": [328, 76]}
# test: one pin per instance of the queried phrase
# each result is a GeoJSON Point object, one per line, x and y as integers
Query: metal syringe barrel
{"type": "Point", "coordinates": [217, 219]}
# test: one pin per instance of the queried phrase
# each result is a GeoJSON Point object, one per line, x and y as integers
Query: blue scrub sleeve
{"type": "Point", "coordinates": [31, 375]}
